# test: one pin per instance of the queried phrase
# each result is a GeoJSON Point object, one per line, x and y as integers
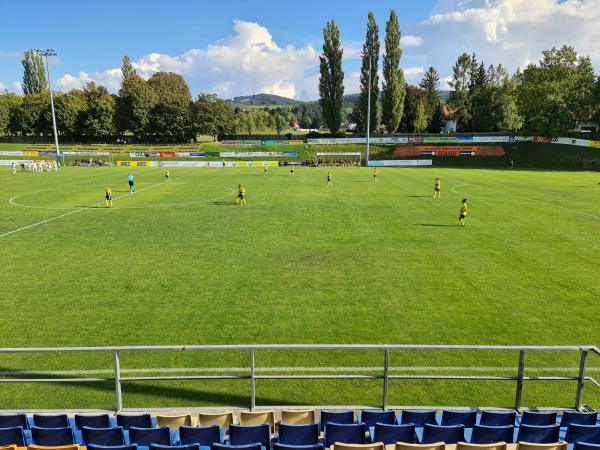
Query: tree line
{"type": "Point", "coordinates": [545, 98]}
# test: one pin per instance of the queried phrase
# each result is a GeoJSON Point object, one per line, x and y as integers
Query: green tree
{"type": "Point", "coordinates": [33, 115]}
{"type": "Point", "coordinates": [170, 117]}
{"type": "Point", "coordinates": [70, 109]}
{"type": "Point", "coordinates": [212, 116]}
{"type": "Point", "coordinates": [393, 76]}
{"type": "Point", "coordinates": [480, 100]}
{"type": "Point", "coordinates": [437, 119]}
{"type": "Point", "coordinates": [127, 69]}
{"type": "Point", "coordinates": [431, 84]}
{"type": "Point", "coordinates": [34, 74]}
{"type": "Point", "coordinates": [249, 123]}
{"type": "Point", "coordinates": [280, 124]}
{"type": "Point", "coordinates": [331, 81]}
{"type": "Point", "coordinates": [370, 57]}
{"type": "Point", "coordinates": [508, 117]}
{"type": "Point", "coordinates": [134, 105]}
{"type": "Point", "coordinates": [421, 120]}
{"type": "Point", "coordinates": [9, 103]}
{"type": "Point", "coordinates": [459, 98]}
{"type": "Point", "coordinates": [414, 96]}
{"type": "Point", "coordinates": [99, 115]}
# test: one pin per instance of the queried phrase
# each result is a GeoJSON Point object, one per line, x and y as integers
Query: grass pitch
{"type": "Point", "coordinates": [359, 262]}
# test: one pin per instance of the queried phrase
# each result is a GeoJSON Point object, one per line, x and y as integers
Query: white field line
{"type": "Point", "coordinates": [553, 205]}
{"type": "Point", "coordinates": [294, 369]}
{"type": "Point", "coordinates": [8, 233]}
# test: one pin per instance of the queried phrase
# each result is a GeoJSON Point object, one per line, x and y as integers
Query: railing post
{"type": "Point", "coordinates": [520, 375]}
{"type": "Point", "coordinates": [386, 369]}
{"type": "Point", "coordinates": [581, 378]}
{"type": "Point", "coordinates": [118, 393]}
{"type": "Point", "coordinates": [252, 382]}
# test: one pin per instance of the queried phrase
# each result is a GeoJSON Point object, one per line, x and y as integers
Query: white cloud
{"type": "Point", "coordinates": [513, 32]}
{"type": "Point", "coordinates": [413, 73]}
{"type": "Point", "coordinates": [9, 54]}
{"type": "Point", "coordinates": [411, 41]}
{"type": "Point", "coordinates": [250, 61]}
{"type": "Point", "coordinates": [2, 87]}
{"type": "Point", "coordinates": [17, 87]}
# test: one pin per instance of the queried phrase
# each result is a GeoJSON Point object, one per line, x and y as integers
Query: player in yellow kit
{"type": "Point", "coordinates": [436, 188]}
{"type": "Point", "coordinates": [329, 179]}
{"type": "Point", "coordinates": [108, 197]}
{"type": "Point", "coordinates": [463, 212]}
{"type": "Point", "coordinates": [241, 195]}
{"type": "Point", "coordinates": [167, 175]}
{"type": "Point", "coordinates": [375, 173]}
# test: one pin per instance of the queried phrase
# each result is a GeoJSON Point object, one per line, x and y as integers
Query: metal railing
{"type": "Point", "coordinates": [119, 379]}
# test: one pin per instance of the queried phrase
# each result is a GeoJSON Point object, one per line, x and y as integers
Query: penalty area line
{"type": "Point", "coordinates": [51, 219]}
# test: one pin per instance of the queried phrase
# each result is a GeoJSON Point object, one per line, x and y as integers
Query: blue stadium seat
{"type": "Point", "coordinates": [279, 446]}
{"type": "Point", "coordinates": [250, 434]}
{"type": "Point", "coordinates": [371, 417]}
{"type": "Point", "coordinates": [103, 436]}
{"type": "Point", "coordinates": [578, 418]}
{"type": "Point", "coordinates": [12, 436]}
{"type": "Point", "coordinates": [175, 447]}
{"type": "Point", "coordinates": [546, 434]}
{"type": "Point", "coordinates": [51, 421]}
{"type": "Point", "coordinates": [254, 446]}
{"type": "Point", "coordinates": [203, 436]}
{"type": "Point", "coordinates": [440, 433]}
{"type": "Point", "coordinates": [497, 418]}
{"type": "Point", "coordinates": [583, 433]}
{"type": "Point", "coordinates": [52, 436]}
{"type": "Point", "coordinates": [390, 434]}
{"type": "Point", "coordinates": [299, 434]}
{"type": "Point", "coordinates": [538, 418]}
{"type": "Point", "coordinates": [111, 447]}
{"type": "Point", "coordinates": [14, 420]}
{"type": "Point", "coordinates": [585, 446]}
{"type": "Point", "coordinates": [483, 434]}
{"type": "Point", "coordinates": [346, 417]}
{"type": "Point", "coordinates": [418, 418]}
{"type": "Point", "coordinates": [92, 421]}
{"type": "Point", "coordinates": [352, 433]}
{"type": "Point", "coordinates": [466, 418]}
{"type": "Point", "coordinates": [147, 436]}
{"type": "Point", "coordinates": [134, 420]}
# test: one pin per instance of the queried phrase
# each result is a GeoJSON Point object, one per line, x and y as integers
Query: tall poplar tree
{"type": "Point", "coordinates": [331, 82]}
{"type": "Point", "coordinates": [393, 76]}
{"type": "Point", "coordinates": [370, 56]}
{"type": "Point", "coordinates": [34, 74]}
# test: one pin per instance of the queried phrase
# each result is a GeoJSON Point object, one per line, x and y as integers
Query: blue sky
{"type": "Point", "coordinates": [245, 47]}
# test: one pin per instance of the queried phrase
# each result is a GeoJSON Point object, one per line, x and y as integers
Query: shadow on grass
{"type": "Point", "coordinates": [196, 397]}
{"type": "Point", "coordinates": [90, 207]}
{"type": "Point", "coordinates": [224, 203]}
{"type": "Point", "coordinates": [433, 225]}
{"type": "Point", "coordinates": [419, 196]}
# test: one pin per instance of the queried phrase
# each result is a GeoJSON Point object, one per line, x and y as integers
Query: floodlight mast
{"type": "Point", "coordinates": [45, 53]}
{"type": "Point", "coordinates": [368, 114]}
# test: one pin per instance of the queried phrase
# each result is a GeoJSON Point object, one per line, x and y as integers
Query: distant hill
{"type": "Point", "coordinates": [264, 100]}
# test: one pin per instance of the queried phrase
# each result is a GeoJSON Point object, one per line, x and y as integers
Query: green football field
{"type": "Point", "coordinates": [359, 262]}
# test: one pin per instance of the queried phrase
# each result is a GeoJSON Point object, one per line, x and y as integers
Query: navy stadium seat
{"type": "Point", "coordinates": [497, 418]}
{"type": "Point", "coordinates": [52, 436]}
{"type": "Point", "coordinates": [279, 446]}
{"type": "Point", "coordinates": [14, 420]}
{"type": "Point", "coordinates": [466, 418]}
{"type": "Point", "coordinates": [535, 434]}
{"type": "Point", "coordinates": [204, 436]}
{"type": "Point", "coordinates": [371, 417]}
{"type": "Point", "coordinates": [344, 433]}
{"type": "Point", "coordinates": [346, 417]}
{"type": "Point", "coordinates": [538, 418]}
{"type": "Point", "coordinates": [299, 434]}
{"type": "Point", "coordinates": [390, 434]}
{"type": "Point", "coordinates": [254, 446]}
{"type": "Point", "coordinates": [483, 434]}
{"type": "Point", "coordinates": [51, 421]}
{"type": "Point", "coordinates": [12, 436]}
{"type": "Point", "coordinates": [250, 434]}
{"type": "Point", "coordinates": [92, 421]}
{"type": "Point", "coordinates": [418, 418]}
{"type": "Point", "coordinates": [583, 433]}
{"type": "Point", "coordinates": [175, 447]}
{"type": "Point", "coordinates": [440, 433]}
{"type": "Point", "coordinates": [115, 447]}
{"type": "Point", "coordinates": [134, 420]}
{"type": "Point", "coordinates": [103, 436]}
{"type": "Point", "coordinates": [586, 446]}
{"type": "Point", "coordinates": [579, 418]}
{"type": "Point", "coordinates": [147, 436]}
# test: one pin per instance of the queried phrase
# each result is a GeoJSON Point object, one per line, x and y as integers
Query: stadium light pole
{"type": "Point", "coordinates": [368, 113]}
{"type": "Point", "coordinates": [45, 53]}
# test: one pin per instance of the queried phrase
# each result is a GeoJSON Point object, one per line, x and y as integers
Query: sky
{"type": "Point", "coordinates": [247, 47]}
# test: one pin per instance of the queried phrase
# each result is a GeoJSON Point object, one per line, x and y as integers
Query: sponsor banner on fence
{"type": "Point", "coordinates": [8, 162]}
{"type": "Point", "coordinates": [45, 153]}
{"type": "Point", "coordinates": [296, 142]}
{"type": "Point", "coordinates": [595, 144]}
{"type": "Point", "coordinates": [257, 154]}
{"type": "Point", "coordinates": [30, 153]}
{"type": "Point", "coordinates": [137, 163]}
{"type": "Point", "coordinates": [339, 154]}
{"type": "Point", "coordinates": [167, 154]}
{"type": "Point", "coordinates": [521, 139]}
{"type": "Point", "coordinates": [242, 142]}
{"type": "Point", "coordinates": [542, 140]}
{"type": "Point", "coordinates": [449, 150]}
{"type": "Point", "coordinates": [400, 162]}
{"type": "Point", "coordinates": [144, 155]}
{"type": "Point", "coordinates": [571, 141]}
{"type": "Point", "coordinates": [491, 139]}
{"type": "Point", "coordinates": [85, 153]}
{"type": "Point", "coordinates": [183, 164]}
{"type": "Point", "coordinates": [361, 140]}
{"type": "Point", "coordinates": [197, 154]}
{"type": "Point", "coordinates": [439, 139]}
{"type": "Point", "coordinates": [9, 153]}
